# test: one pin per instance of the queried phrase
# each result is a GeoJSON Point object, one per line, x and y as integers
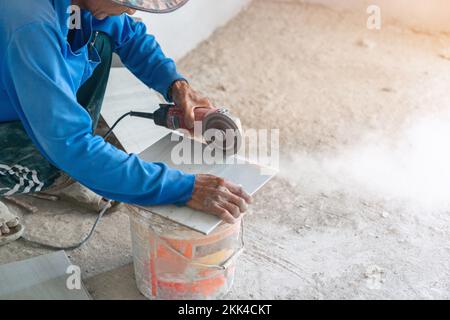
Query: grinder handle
{"type": "Point", "coordinates": [173, 117]}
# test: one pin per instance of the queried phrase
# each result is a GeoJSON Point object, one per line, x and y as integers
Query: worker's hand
{"type": "Point", "coordinates": [219, 197]}
{"type": "Point", "coordinates": [188, 99]}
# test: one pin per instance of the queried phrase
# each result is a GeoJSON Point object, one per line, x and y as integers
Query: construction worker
{"type": "Point", "coordinates": [52, 83]}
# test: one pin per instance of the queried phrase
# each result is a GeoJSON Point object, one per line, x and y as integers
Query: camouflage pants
{"type": "Point", "coordinates": [22, 168]}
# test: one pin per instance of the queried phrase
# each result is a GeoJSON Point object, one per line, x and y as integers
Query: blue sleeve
{"type": "Point", "coordinates": [39, 85]}
{"type": "Point", "coordinates": [141, 53]}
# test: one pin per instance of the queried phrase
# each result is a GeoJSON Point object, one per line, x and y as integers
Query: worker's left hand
{"type": "Point", "coordinates": [188, 99]}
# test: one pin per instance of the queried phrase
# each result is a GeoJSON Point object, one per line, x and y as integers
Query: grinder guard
{"type": "Point", "coordinates": [221, 124]}
{"type": "Point", "coordinates": [218, 125]}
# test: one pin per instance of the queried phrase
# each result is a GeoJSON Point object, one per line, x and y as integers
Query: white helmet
{"type": "Point", "coordinates": [154, 6]}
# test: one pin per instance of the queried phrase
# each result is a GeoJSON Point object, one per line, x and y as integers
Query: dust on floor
{"type": "Point", "coordinates": [349, 216]}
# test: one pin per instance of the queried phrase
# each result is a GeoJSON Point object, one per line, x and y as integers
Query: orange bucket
{"type": "Point", "coordinates": [173, 262]}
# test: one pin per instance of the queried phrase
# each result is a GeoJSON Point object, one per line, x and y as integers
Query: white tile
{"type": "Point", "coordinates": [248, 175]}
{"type": "Point", "coordinates": [127, 93]}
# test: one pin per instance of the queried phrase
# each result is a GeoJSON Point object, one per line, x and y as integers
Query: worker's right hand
{"type": "Point", "coordinates": [219, 197]}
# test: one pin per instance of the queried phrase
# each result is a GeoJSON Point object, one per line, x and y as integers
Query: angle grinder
{"type": "Point", "coordinates": [219, 127]}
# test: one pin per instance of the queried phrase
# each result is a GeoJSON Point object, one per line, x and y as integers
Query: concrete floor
{"type": "Point", "coordinates": [360, 207]}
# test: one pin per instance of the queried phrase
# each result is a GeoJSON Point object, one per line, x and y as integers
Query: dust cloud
{"type": "Point", "coordinates": [414, 166]}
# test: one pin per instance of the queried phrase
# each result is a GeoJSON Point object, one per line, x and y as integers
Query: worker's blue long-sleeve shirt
{"type": "Point", "coordinates": [40, 74]}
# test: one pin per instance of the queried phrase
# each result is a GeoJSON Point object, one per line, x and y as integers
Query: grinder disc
{"type": "Point", "coordinates": [223, 130]}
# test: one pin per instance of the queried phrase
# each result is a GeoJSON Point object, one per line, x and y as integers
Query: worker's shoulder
{"type": "Point", "coordinates": [114, 23]}
{"type": "Point", "coordinates": [17, 14]}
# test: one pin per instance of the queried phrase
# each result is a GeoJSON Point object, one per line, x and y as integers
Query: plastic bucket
{"type": "Point", "coordinates": [172, 262]}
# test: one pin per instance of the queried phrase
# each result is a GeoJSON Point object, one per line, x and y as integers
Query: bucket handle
{"type": "Point", "coordinates": [225, 265]}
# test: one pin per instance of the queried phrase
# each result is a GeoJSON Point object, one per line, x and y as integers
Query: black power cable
{"type": "Point", "coordinates": [75, 246]}
{"type": "Point", "coordinates": [145, 115]}
{"type": "Point", "coordinates": [108, 204]}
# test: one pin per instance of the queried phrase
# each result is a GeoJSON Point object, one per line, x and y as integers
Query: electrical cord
{"type": "Point", "coordinates": [110, 131]}
{"type": "Point", "coordinates": [75, 246]}
{"type": "Point", "coordinates": [146, 115]}
{"type": "Point", "coordinates": [104, 209]}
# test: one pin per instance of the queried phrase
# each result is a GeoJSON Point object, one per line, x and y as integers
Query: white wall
{"type": "Point", "coordinates": [426, 15]}
{"type": "Point", "coordinates": [181, 31]}
{"type": "Point", "coordinates": [178, 33]}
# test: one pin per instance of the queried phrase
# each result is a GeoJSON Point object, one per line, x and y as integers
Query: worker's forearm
{"type": "Point", "coordinates": [142, 55]}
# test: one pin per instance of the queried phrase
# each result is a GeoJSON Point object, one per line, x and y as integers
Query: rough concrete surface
{"type": "Point", "coordinates": [360, 207]}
